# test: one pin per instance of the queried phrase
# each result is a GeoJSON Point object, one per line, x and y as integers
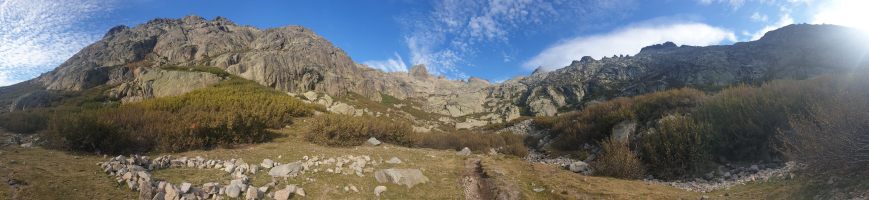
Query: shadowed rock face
{"type": "Point", "coordinates": [792, 52]}
{"type": "Point", "coordinates": [295, 59]}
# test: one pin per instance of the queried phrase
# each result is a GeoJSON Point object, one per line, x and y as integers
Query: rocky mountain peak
{"type": "Point", "coordinates": [662, 46]}
{"type": "Point", "coordinates": [420, 71]}
{"type": "Point", "coordinates": [539, 70]}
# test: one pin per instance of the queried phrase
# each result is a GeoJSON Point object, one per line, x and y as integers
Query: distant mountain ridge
{"type": "Point", "coordinates": [149, 60]}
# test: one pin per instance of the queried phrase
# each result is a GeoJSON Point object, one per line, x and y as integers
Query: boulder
{"type": "Point", "coordinates": [623, 131]}
{"type": "Point", "coordinates": [379, 190]}
{"type": "Point", "coordinates": [286, 170]}
{"type": "Point", "coordinates": [464, 152]}
{"type": "Point", "coordinates": [580, 167]}
{"type": "Point", "coordinates": [394, 160]}
{"type": "Point", "coordinates": [253, 194]}
{"type": "Point", "coordinates": [373, 141]}
{"type": "Point", "coordinates": [233, 191]}
{"type": "Point", "coordinates": [285, 193]}
{"type": "Point", "coordinates": [407, 177]}
{"type": "Point", "coordinates": [267, 163]}
{"type": "Point", "coordinates": [185, 187]}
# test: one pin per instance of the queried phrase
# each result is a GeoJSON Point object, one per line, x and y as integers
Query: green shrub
{"type": "Point", "coordinates": [744, 119]}
{"type": "Point", "coordinates": [27, 122]}
{"type": "Point", "coordinates": [679, 147]}
{"type": "Point", "coordinates": [831, 140]}
{"type": "Point", "coordinates": [595, 122]}
{"type": "Point", "coordinates": [618, 161]}
{"type": "Point", "coordinates": [229, 113]}
{"type": "Point", "coordinates": [345, 130]}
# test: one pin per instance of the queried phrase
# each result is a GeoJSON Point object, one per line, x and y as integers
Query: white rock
{"type": "Point", "coordinates": [267, 163]}
{"type": "Point", "coordinates": [374, 141]}
{"type": "Point", "coordinates": [233, 191]}
{"type": "Point", "coordinates": [286, 170]}
{"type": "Point", "coordinates": [379, 190]}
{"type": "Point", "coordinates": [464, 152]}
{"type": "Point", "coordinates": [185, 187]}
{"type": "Point", "coordinates": [394, 160]}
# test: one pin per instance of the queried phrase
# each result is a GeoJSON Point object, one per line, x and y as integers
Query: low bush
{"type": "Point", "coordinates": [831, 140]}
{"type": "Point", "coordinates": [678, 147]}
{"type": "Point", "coordinates": [27, 122]}
{"type": "Point", "coordinates": [477, 141]}
{"type": "Point", "coordinates": [345, 130]}
{"type": "Point", "coordinates": [744, 119]}
{"type": "Point", "coordinates": [595, 122]}
{"type": "Point", "coordinates": [617, 160]}
{"type": "Point", "coordinates": [233, 112]}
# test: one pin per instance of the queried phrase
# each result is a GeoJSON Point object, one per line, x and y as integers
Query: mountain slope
{"type": "Point", "coordinates": [164, 57]}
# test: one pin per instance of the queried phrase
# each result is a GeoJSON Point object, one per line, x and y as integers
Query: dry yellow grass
{"type": "Point", "coordinates": [51, 174]}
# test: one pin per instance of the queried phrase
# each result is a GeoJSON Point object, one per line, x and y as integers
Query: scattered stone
{"type": "Point", "coordinates": [185, 187]}
{"type": "Point", "coordinates": [233, 191]}
{"type": "Point", "coordinates": [394, 160]}
{"type": "Point", "coordinates": [353, 187]}
{"type": "Point", "coordinates": [464, 152]}
{"type": "Point", "coordinates": [374, 141]}
{"type": "Point", "coordinates": [252, 194]}
{"type": "Point", "coordinates": [407, 177]}
{"type": "Point", "coordinates": [286, 170]}
{"type": "Point", "coordinates": [580, 167]}
{"type": "Point", "coordinates": [300, 191]}
{"type": "Point", "coordinates": [379, 190]}
{"type": "Point", "coordinates": [285, 193]}
{"type": "Point", "coordinates": [267, 163]}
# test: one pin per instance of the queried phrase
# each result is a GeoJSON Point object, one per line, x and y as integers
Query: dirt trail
{"type": "Point", "coordinates": [475, 182]}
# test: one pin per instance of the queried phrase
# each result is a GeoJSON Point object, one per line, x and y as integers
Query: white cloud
{"type": "Point", "coordinates": [628, 40]}
{"type": "Point", "coordinates": [395, 64]}
{"type": "Point", "coordinates": [4, 79]}
{"type": "Point", "coordinates": [452, 33]}
{"type": "Point", "coordinates": [735, 4]}
{"type": "Point", "coordinates": [851, 13]}
{"type": "Point", "coordinates": [37, 35]}
{"type": "Point", "coordinates": [757, 17]}
{"type": "Point", "coordinates": [784, 20]}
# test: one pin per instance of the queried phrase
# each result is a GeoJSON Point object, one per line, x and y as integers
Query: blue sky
{"type": "Point", "coordinates": [491, 39]}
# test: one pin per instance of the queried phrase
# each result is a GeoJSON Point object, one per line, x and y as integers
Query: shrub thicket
{"type": "Point", "coordinates": [744, 119]}
{"type": "Point", "coordinates": [233, 112]}
{"type": "Point", "coordinates": [678, 147]}
{"type": "Point", "coordinates": [27, 122]}
{"type": "Point", "coordinates": [477, 141]}
{"type": "Point", "coordinates": [345, 130]}
{"type": "Point", "coordinates": [595, 122]}
{"type": "Point", "coordinates": [832, 139]}
{"type": "Point", "coordinates": [618, 161]}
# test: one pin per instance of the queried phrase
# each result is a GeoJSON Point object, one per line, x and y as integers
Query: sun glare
{"type": "Point", "coordinates": [851, 13]}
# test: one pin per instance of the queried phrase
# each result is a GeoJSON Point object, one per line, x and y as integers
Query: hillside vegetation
{"type": "Point", "coordinates": [232, 112]}
{"type": "Point", "coordinates": [682, 132]}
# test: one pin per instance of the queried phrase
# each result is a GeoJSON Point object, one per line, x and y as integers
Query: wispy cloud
{"type": "Point", "coordinates": [395, 64]}
{"type": "Point", "coordinates": [37, 35]}
{"type": "Point", "coordinates": [628, 40]}
{"type": "Point", "coordinates": [784, 20]}
{"type": "Point", "coordinates": [757, 17]}
{"type": "Point", "coordinates": [445, 37]}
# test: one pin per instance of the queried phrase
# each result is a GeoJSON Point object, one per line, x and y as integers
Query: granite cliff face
{"type": "Point", "coordinates": [149, 60]}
